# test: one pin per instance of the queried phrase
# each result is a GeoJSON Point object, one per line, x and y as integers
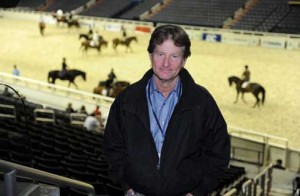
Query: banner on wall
{"type": "Point", "coordinates": [212, 37]}
{"type": "Point", "coordinates": [273, 42]}
{"type": "Point", "coordinates": [237, 39]}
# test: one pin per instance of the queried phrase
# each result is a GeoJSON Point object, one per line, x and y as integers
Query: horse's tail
{"type": "Point", "coordinates": [263, 91]}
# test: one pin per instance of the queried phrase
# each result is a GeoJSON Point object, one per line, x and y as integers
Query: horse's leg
{"type": "Point", "coordinates": [257, 103]}
{"type": "Point", "coordinates": [243, 98]}
{"type": "Point", "coordinates": [74, 84]}
{"type": "Point", "coordinates": [237, 97]}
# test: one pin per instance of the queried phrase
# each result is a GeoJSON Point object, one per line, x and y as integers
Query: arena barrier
{"type": "Point", "coordinates": [54, 95]}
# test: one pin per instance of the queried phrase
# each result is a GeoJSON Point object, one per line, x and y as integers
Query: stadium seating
{"type": "Point", "coordinates": [71, 151]}
{"type": "Point", "coordinates": [265, 16]}
{"type": "Point", "coordinates": [199, 13]}
{"type": "Point", "coordinates": [66, 6]}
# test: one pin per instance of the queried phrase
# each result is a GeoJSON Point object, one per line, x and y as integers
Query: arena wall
{"type": "Point", "coordinates": [223, 36]}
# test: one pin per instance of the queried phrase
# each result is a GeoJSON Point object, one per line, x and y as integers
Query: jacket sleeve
{"type": "Point", "coordinates": [216, 151]}
{"type": "Point", "coordinates": [114, 145]}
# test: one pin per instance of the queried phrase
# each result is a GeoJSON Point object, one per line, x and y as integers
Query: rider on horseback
{"type": "Point", "coordinates": [245, 77]}
{"type": "Point", "coordinates": [95, 39]}
{"type": "Point", "coordinates": [59, 14]}
{"type": "Point", "coordinates": [124, 34]}
{"type": "Point", "coordinates": [64, 68]}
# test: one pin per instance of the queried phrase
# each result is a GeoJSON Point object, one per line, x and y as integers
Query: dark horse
{"type": "Point", "coordinates": [254, 88]}
{"type": "Point", "coordinates": [72, 23]}
{"type": "Point", "coordinates": [70, 76]}
{"type": "Point", "coordinates": [87, 44]}
{"type": "Point", "coordinates": [85, 36]}
{"type": "Point", "coordinates": [125, 42]}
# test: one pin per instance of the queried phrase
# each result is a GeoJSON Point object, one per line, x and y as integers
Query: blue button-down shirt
{"type": "Point", "coordinates": [162, 108]}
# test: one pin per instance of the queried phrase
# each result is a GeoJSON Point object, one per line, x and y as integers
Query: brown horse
{"type": "Point", "coordinates": [87, 44]}
{"type": "Point", "coordinates": [117, 87]}
{"type": "Point", "coordinates": [254, 88]}
{"type": "Point", "coordinates": [125, 42]}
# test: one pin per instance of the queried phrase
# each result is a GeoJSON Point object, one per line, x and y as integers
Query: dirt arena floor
{"type": "Point", "coordinates": [210, 64]}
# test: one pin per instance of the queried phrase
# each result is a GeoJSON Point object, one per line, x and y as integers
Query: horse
{"type": "Point", "coordinates": [255, 88]}
{"type": "Point", "coordinates": [73, 22]}
{"type": "Point", "coordinates": [62, 19]}
{"type": "Point", "coordinates": [87, 44]}
{"type": "Point", "coordinates": [70, 76]}
{"type": "Point", "coordinates": [85, 36]}
{"type": "Point", "coordinates": [117, 87]}
{"type": "Point", "coordinates": [125, 42]}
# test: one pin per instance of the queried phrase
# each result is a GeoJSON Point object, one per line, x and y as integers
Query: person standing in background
{"type": "Point", "coordinates": [16, 71]}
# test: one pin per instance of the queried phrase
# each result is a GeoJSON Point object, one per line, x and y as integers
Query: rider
{"type": "Point", "coordinates": [245, 77]}
{"type": "Point", "coordinates": [90, 34]}
{"type": "Point", "coordinates": [63, 68]}
{"type": "Point", "coordinates": [59, 14]}
{"type": "Point", "coordinates": [95, 39]}
{"type": "Point", "coordinates": [110, 80]}
{"type": "Point", "coordinates": [124, 34]}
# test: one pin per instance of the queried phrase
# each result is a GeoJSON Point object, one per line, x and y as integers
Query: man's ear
{"type": "Point", "coordinates": [150, 56]}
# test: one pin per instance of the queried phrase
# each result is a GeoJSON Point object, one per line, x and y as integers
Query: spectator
{"type": "Point", "coordinates": [82, 110]}
{"type": "Point", "coordinates": [70, 109]}
{"type": "Point", "coordinates": [278, 164]}
{"type": "Point", "coordinates": [97, 111]}
{"type": "Point", "coordinates": [92, 123]}
{"type": "Point", "coordinates": [16, 71]}
{"type": "Point", "coordinates": [6, 93]}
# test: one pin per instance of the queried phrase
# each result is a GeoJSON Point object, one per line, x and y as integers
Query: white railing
{"type": "Point", "coordinates": [260, 185]}
{"type": "Point", "coordinates": [257, 136]}
{"type": "Point", "coordinates": [37, 91]}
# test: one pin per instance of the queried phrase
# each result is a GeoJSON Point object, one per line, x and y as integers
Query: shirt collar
{"type": "Point", "coordinates": [153, 87]}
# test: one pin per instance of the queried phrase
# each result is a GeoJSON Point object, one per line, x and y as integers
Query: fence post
{"type": "Point", "coordinates": [262, 184]}
{"type": "Point", "coordinates": [10, 183]}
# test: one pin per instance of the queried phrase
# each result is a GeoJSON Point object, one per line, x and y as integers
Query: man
{"type": "Point", "coordinates": [92, 123]}
{"type": "Point", "coordinates": [15, 71]}
{"type": "Point", "coordinates": [245, 77]}
{"type": "Point", "coordinates": [165, 134]}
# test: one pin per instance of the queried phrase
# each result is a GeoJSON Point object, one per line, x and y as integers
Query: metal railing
{"type": "Point", "coordinates": [260, 185]}
{"type": "Point", "coordinates": [11, 170]}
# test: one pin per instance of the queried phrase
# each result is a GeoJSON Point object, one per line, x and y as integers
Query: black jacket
{"type": "Point", "coordinates": [196, 148]}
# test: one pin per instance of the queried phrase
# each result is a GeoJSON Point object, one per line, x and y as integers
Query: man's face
{"type": "Point", "coordinates": [167, 60]}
